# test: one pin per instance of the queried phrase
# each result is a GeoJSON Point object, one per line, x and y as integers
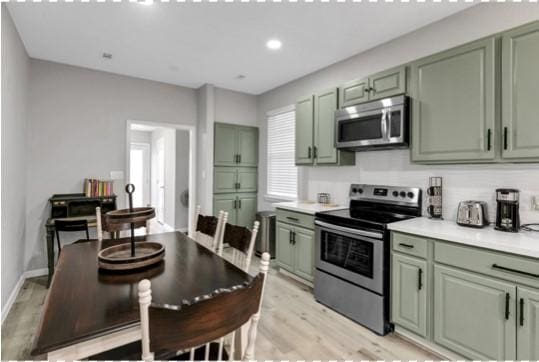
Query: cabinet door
{"type": "Point", "coordinates": [474, 315]}
{"type": "Point", "coordinates": [226, 202]}
{"type": "Point", "coordinates": [387, 83]}
{"type": "Point", "coordinates": [454, 104]}
{"type": "Point", "coordinates": [246, 210]}
{"type": "Point", "coordinates": [248, 146]}
{"type": "Point", "coordinates": [247, 179]}
{"type": "Point", "coordinates": [304, 131]}
{"type": "Point", "coordinates": [284, 248]}
{"type": "Point", "coordinates": [325, 104]}
{"type": "Point", "coordinates": [409, 290]}
{"type": "Point", "coordinates": [303, 240]}
{"type": "Point", "coordinates": [225, 149]}
{"type": "Point", "coordinates": [527, 324]}
{"type": "Point", "coordinates": [520, 80]}
{"type": "Point", "coordinates": [224, 179]}
{"type": "Point", "coordinates": [354, 92]}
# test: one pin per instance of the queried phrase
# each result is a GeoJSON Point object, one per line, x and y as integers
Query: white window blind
{"type": "Point", "coordinates": [282, 170]}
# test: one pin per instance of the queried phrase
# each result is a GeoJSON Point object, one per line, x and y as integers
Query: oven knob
{"type": "Point", "coordinates": [354, 190]}
{"type": "Point", "coordinates": [360, 191]}
{"type": "Point", "coordinates": [410, 195]}
{"type": "Point", "coordinates": [403, 194]}
{"type": "Point", "coordinates": [395, 193]}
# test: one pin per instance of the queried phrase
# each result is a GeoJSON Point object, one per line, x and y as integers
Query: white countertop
{"type": "Point", "coordinates": [307, 207]}
{"type": "Point", "coordinates": [522, 243]}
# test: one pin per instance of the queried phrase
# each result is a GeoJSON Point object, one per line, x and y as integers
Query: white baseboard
{"type": "Point", "coordinates": [13, 296]}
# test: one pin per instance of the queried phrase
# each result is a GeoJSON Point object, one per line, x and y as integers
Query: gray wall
{"type": "Point", "coordinates": [182, 177]}
{"type": "Point", "coordinates": [77, 129]}
{"type": "Point", "coordinates": [15, 69]}
{"type": "Point", "coordinates": [393, 167]}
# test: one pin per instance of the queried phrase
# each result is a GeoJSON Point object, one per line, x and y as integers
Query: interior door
{"type": "Point", "coordinates": [527, 324]}
{"type": "Point", "coordinates": [520, 80]}
{"type": "Point", "coordinates": [304, 131]}
{"type": "Point", "coordinates": [454, 104]}
{"type": "Point", "coordinates": [474, 315]}
{"type": "Point", "coordinates": [139, 173]}
{"type": "Point", "coordinates": [160, 180]}
{"type": "Point", "coordinates": [325, 105]}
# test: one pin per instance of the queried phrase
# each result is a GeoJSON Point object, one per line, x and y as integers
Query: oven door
{"type": "Point", "coordinates": [351, 254]}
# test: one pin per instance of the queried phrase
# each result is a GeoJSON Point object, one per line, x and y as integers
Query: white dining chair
{"type": "Point", "coordinates": [208, 230]}
{"type": "Point", "coordinates": [241, 241]}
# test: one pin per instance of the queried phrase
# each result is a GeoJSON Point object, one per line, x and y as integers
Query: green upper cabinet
{"type": "Point", "coordinates": [474, 315]}
{"type": "Point", "coordinates": [409, 286]}
{"type": "Point", "coordinates": [354, 92]}
{"type": "Point", "coordinates": [304, 131]}
{"type": "Point", "coordinates": [235, 179]}
{"type": "Point", "coordinates": [387, 83]}
{"type": "Point", "coordinates": [454, 104]}
{"type": "Point", "coordinates": [235, 145]}
{"type": "Point", "coordinates": [527, 324]}
{"type": "Point", "coordinates": [380, 85]}
{"type": "Point", "coordinates": [520, 85]}
{"type": "Point", "coordinates": [325, 105]}
{"type": "Point", "coordinates": [226, 139]}
{"type": "Point", "coordinates": [315, 131]}
{"type": "Point", "coordinates": [247, 179]}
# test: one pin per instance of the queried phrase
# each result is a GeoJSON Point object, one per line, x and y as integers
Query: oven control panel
{"type": "Point", "coordinates": [390, 194]}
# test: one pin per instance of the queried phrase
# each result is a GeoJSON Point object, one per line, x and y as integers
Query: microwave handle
{"type": "Point", "coordinates": [386, 114]}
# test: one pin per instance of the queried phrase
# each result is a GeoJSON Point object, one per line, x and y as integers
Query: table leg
{"type": "Point", "coordinates": [50, 253]}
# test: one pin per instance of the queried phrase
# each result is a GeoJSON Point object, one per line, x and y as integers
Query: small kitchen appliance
{"type": "Point", "coordinates": [380, 124]}
{"type": "Point", "coordinates": [472, 213]}
{"type": "Point", "coordinates": [323, 198]}
{"type": "Point", "coordinates": [434, 198]}
{"type": "Point", "coordinates": [352, 252]}
{"type": "Point", "coordinates": [507, 215]}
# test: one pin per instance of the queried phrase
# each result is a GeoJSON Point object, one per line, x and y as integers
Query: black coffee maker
{"type": "Point", "coordinates": [507, 217]}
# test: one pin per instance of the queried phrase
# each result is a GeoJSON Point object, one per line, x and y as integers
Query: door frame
{"type": "Point", "coordinates": [192, 157]}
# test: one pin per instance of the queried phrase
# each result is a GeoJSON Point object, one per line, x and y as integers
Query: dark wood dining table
{"type": "Point", "coordinates": [89, 310]}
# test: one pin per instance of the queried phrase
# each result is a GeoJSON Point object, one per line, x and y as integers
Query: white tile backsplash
{"type": "Point", "coordinates": [460, 182]}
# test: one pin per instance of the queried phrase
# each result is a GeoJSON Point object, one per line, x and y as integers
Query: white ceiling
{"type": "Point", "coordinates": [190, 44]}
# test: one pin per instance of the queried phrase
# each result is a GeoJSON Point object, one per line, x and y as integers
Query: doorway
{"type": "Point", "coordinates": [160, 165]}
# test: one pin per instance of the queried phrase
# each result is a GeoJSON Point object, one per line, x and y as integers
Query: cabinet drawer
{"type": "Point", "coordinates": [505, 266]}
{"type": "Point", "coordinates": [409, 244]}
{"type": "Point", "coordinates": [295, 218]}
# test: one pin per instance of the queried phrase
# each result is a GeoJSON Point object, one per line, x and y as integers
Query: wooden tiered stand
{"type": "Point", "coordinates": [133, 255]}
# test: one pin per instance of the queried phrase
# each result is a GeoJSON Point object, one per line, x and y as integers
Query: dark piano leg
{"type": "Point", "coordinates": [50, 253]}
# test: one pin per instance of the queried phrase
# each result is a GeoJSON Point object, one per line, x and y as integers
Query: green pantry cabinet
{"type": "Point", "coordinates": [451, 297]}
{"type": "Point", "coordinates": [235, 179]}
{"type": "Point", "coordinates": [295, 244]}
{"type": "Point", "coordinates": [478, 102]}
{"type": "Point", "coordinates": [315, 131]}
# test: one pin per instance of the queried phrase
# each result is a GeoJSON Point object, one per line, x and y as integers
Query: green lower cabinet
{"type": "Point", "coordinates": [304, 253]}
{"type": "Point", "coordinates": [474, 315]}
{"type": "Point", "coordinates": [527, 324]}
{"type": "Point", "coordinates": [284, 248]}
{"type": "Point", "coordinates": [409, 291]}
{"type": "Point", "coordinates": [246, 210]}
{"type": "Point", "coordinates": [226, 202]}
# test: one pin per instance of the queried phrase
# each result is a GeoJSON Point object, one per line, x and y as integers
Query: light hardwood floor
{"type": "Point", "coordinates": [293, 326]}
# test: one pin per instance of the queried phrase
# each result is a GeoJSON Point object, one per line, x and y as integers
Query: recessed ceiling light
{"type": "Point", "coordinates": [274, 44]}
{"type": "Point", "coordinates": [145, 2]}
{"type": "Point", "coordinates": [240, 77]}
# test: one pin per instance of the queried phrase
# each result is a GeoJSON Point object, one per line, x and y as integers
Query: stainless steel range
{"type": "Point", "coordinates": [352, 252]}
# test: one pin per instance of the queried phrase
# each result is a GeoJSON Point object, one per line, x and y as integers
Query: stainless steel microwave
{"type": "Point", "coordinates": [380, 124]}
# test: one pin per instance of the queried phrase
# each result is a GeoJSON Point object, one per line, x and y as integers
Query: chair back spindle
{"type": "Point", "coordinates": [242, 242]}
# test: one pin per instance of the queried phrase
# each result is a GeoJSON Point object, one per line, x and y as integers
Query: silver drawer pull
{"type": "Point", "coordinates": [502, 268]}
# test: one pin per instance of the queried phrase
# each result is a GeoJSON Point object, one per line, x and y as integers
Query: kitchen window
{"type": "Point", "coordinates": [282, 170]}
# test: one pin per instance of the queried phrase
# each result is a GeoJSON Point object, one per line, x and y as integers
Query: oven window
{"type": "Point", "coordinates": [395, 130]}
{"type": "Point", "coordinates": [365, 128]}
{"type": "Point", "coordinates": [348, 253]}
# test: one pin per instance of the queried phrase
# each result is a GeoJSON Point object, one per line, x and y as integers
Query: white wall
{"type": "Point", "coordinates": [141, 136]}
{"type": "Point", "coordinates": [235, 107]}
{"type": "Point", "coordinates": [15, 69]}
{"type": "Point", "coordinates": [77, 129]}
{"type": "Point", "coordinates": [182, 178]}
{"type": "Point", "coordinates": [393, 167]}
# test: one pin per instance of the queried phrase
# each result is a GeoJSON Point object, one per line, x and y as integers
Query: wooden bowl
{"type": "Point", "coordinates": [119, 257]}
{"type": "Point", "coordinates": [123, 216]}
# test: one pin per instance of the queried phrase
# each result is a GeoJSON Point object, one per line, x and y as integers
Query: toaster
{"type": "Point", "coordinates": [472, 213]}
